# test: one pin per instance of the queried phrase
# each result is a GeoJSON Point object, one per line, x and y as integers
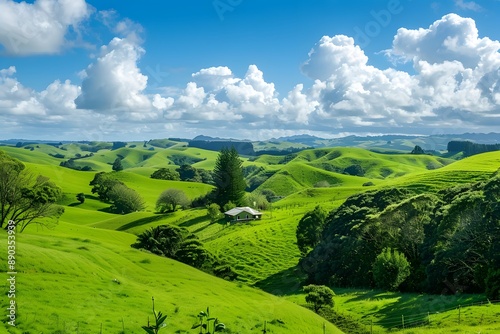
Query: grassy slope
{"type": "Point", "coordinates": [65, 281]}
{"type": "Point", "coordinates": [265, 248]}
{"type": "Point", "coordinates": [437, 313]}
{"type": "Point", "coordinates": [311, 166]}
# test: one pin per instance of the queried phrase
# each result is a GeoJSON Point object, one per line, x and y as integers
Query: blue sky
{"type": "Point", "coordinates": [104, 70]}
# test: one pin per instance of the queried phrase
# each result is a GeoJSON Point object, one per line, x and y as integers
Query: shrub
{"type": "Point", "coordinates": [319, 296]}
{"type": "Point", "coordinates": [355, 170]}
{"type": "Point", "coordinates": [390, 269]}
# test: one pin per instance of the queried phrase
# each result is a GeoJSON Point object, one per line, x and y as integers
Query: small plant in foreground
{"type": "Point", "coordinates": [159, 321]}
{"type": "Point", "coordinates": [204, 325]}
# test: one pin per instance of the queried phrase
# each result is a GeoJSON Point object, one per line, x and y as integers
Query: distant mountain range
{"type": "Point", "coordinates": [391, 142]}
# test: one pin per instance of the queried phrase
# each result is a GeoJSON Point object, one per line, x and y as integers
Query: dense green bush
{"type": "Point", "coordinates": [166, 174]}
{"type": "Point", "coordinates": [355, 170]}
{"type": "Point", "coordinates": [319, 296]}
{"type": "Point", "coordinates": [390, 269]}
{"type": "Point", "coordinates": [181, 245]}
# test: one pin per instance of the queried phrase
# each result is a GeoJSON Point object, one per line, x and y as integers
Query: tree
{"type": "Point", "coordinates": [257, 201]}
{"type": "Point", "coordinates": [80, 197]}
{"type": "Point", "coordinates": [214, 213]}
{"type": "Point", "coordinates": [102, 184]}
{"type": "Point", "coordinates": [309, 229]}
{"type": "Point", "coordinates": [417, 150]}
{"type": "Point", "coordinates": [355, 170]}
{"type": "Point", "coordinates": [205, 176]}
{"type": "Point", "coordinates": [170, 199]}
{"type": "Point", "coordinates": [162, 240]}
{"type": "Point", "coordinates": [117, 165]}
{"type": "Point", "coordinates": [188, 173]}
{"type": "Point", "coordinates": [319, 296]}
{"type": "Point", "coordinates": [166, 174]}
{"type": "Point", "coordinates": [181, 245]}
{"type": "Point", "coordinates": [25, 198]}
{"type": "Point", "coordinates": [390, 269]}
{"type": "Point", "coordinates": [125, 200]}
{"type": "Point", "coordinates": [118, 144]}
{"type": "Point", "coordinates": [228, 177]}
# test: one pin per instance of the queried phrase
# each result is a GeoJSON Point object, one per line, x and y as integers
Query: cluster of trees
{"type": "Point", "coordinates": [26, 198]}
{"type": "Point", "coordinates": [184, 173]}
{"type": "Point", "coordinates": [70, 163]}
{"type": "Point", "coordinates": [355, 170]}
{"type": "Point", "coordinates": [396, 239]}
{"type": "Point", "coordinates": [110, 190]}
{"type": "Point", "coordinates": [181, 245]}
{"type": "Point", "coordinates": [470, 148]}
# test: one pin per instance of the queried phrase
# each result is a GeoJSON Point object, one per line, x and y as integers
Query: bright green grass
{"type": "Point", "coordinates": [385, 311]}
{"type": "Point", "coordinates": [65, 282]}
{"type": "Point", "coordinates": [485, 162]}
{"type": "Point", "coordinates": [83, 214]}
{"type": "Point", "coordinates": [476, 168]}
{"type": "Point", "coordinates": [70, 181]}
{"type": "Point", "coordinates": [261, 252]}
{"type": "Point", "coordinates": [312, 166]}
{"type": "Point", "coordinates": [150, 188]}
{"type": "Point", "coordinates": [35, 156]}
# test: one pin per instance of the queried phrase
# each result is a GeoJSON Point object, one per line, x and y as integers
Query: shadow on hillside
{"type": "Point", "coordinates": [284, 283]}
{"type": "Point", "coordinates": [75, 204]}
{"type": "Point", "coordinates": [143, 221]}
{"type": "Point", "coordinates": [107, 210]}
{"type": "Point", "coordinates": [416, 308]}
{"type": "Point", "coordinates": [372, 295]}
{"type": "Point", "coordinates": [194, 221]}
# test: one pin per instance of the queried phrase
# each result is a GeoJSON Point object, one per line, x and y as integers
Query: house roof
{"type": "Point", "coordinates": [238, 210]}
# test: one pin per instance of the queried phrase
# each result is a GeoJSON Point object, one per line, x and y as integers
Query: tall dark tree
{"type": "Point", "coordinates": [417, 150]}
{"type": "Point", "coordinates": [117, 165]}
{"type": "Point", "coordinates": [228, 177]}
{"type": "Point", "coordinates": [188, 173]}
{"type": "Point", "coordinates": [309, 229]}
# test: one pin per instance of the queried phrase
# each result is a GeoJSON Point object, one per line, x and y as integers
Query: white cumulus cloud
{"type": "Point", "coordinates": [114, 81]}
{"type": "Point", "coordinates": [456, 82]}
{"type": "Point", "coordinates": [39, 27]}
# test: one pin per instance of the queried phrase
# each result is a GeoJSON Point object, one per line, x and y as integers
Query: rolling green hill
{"type": "Point", "coordinates": [78, 278]}
{"type": "Point", "coordinates": [73, 266]}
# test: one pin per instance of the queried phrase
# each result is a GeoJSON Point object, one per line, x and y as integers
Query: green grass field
{"type": "Point", "coordinates": [66, 274]}
{"type": "Point", "coordinates": [382, 312]}
{"type": "Point", "coordinates": [77, 278]}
